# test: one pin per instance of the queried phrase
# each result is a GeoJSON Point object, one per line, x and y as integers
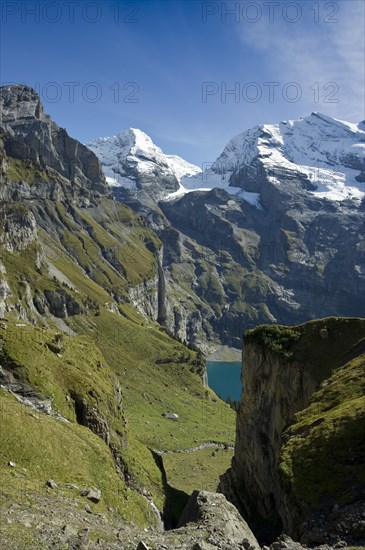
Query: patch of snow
{"type": "Point", "coordinates": [353, 127]}
{"type": "Point", "coordinates": [208, 180]}
{"type": "Point", "coordinates": [121, 181]}
{"type": "Point", "coordinates": [251, 198]}
{"type": "Point", "coordinates": [181, 167]}
{"type": "Point", "coordinates": [113, 182]}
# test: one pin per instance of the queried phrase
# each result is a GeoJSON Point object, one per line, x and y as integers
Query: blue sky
{"type": "Point", "coordinates": [167, 67]}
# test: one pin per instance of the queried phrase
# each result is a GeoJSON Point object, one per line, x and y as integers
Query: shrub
{"type": "Point", "coordinates": [274, 337]}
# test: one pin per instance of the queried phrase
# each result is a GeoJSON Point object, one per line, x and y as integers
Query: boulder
{"type": "Point", "coordinates": [51, 484]}
{"type": "Point", "coordinates": [92, 494]}
{"type": "Point", "coordinates": [220, 517]}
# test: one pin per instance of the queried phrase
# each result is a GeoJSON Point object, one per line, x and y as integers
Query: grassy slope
{"type": "Point", "coordinates": [21, 170]}
{"type": "Point", "coordinates": [43, 448]}
{"type": "Point", "coordinates": [108, 242]}
{"type": "Point", "coordinates": [158, 376]}
{"type": "Point", "coordinates": [79, 370]}
{"type": "Point", "coordinates": [156, 373]}
{"type": "Point", "coordinates": [327, 465]}
{"type": "Point", "coordinates": [51, 449]}
{"type": "Point", "coordinates": [198, 470]}
{"type": "Point", "coordinates": [74, 370]}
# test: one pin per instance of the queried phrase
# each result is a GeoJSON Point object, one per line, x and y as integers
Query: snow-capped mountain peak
{"type": "Point", "coordinates": [326, 151]}
{"type": "Point", "coordinates": [139, 142]}
{"type": "Point", "coordinates": [315, 133]}
{"type": "Point", "coordinates": [130, 159]}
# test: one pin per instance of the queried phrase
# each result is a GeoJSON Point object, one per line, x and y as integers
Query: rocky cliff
{"type": "Point", "coordinates": [37, 151]}
{"type": "Point", "coordinates": [299, 455]}
{"type": "Point", "coordinates": [46, 177]}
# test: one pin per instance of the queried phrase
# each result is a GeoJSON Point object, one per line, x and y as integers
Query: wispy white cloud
{"type": "Point", "coordinates": [307, 52]}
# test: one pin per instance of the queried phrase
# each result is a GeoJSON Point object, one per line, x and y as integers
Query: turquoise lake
{"type": "Point", "coordinates": [224, 377]}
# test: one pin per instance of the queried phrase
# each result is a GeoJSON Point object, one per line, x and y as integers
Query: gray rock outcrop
{"type": "Point", "coordinates": [19, 228]}
{"type": "Point", "coordinates": [29, 135]}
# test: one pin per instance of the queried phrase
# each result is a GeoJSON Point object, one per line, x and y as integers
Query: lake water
{"type": "Point", "coordinates": [224, 377]}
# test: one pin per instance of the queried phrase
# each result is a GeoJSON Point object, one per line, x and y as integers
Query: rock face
{"type": "Point", "coordinates": [30, 136]}
{"type": "Point", "coordinates": [299, 428]}
{"type": "Point", "coordinates": [271, 232]}
{"type": "Point", "coordinates": [46, 177]}
{"type": "Point", "coordinates": [59, 303]}
{"type": "Point", "coordinates": [19, 228]}
{"type": "Point", "coordinates": [145, 296]}
{"type": "Point", "coordinates": [5, 291]}
{"type": "Point", "coordinates": [89, 416]}
{"type": "Point", "coordinates": [277, 391]}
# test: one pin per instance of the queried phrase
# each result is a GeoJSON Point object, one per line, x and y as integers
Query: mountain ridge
{"type": "Point", "coordinates": [61, 159]}
{"type": "Point", "coordinates": [273, 222]}
{"type": "Point", "coordinates": [286, 143]}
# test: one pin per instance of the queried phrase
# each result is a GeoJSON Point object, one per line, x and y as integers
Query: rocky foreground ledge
{"type": "Point", "coordinates": [209, 522]}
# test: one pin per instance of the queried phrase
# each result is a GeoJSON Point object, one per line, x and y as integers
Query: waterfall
{"type": "Point", "coordinates": [155, 511]}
